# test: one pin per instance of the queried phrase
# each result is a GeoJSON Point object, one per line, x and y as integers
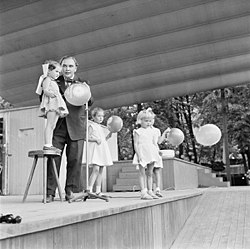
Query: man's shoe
{"type": "Point", "coordinates": [49, 198]}
{"type": "Point", "coordinates": [69, 195]}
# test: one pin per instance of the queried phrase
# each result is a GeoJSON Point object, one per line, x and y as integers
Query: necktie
{"type": "Point", "coordinates": [69, 82]}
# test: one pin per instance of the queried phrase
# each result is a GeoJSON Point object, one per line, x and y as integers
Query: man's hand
{"type": "Point", "coordinates": [49, 93]}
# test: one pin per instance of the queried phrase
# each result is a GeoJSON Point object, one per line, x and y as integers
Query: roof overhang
{"type": "Point", "coordinates": [131, 51]}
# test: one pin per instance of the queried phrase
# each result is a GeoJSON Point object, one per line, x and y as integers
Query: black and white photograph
{"type": "Point", "coordinates": [124, 124]}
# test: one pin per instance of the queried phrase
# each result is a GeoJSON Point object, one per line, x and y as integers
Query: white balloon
{"type": "Point", "coordinates": [114, 124]}
{"type": "Point", "coordinates": [175, 136]}
{"type": "Point", "coordinates": [208, 135]}
{"type": "Point", "coordinates": [78, 94]}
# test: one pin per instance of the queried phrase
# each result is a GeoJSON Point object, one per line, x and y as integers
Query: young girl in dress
{"type": "Point", "coordinates": [52, 105]}
{"type": "Point", "coordinates": [158, 139]}
{"type": "Point", "coordinates": [146, 153]}
{"type": "Point", "coordinates": [99, 154]}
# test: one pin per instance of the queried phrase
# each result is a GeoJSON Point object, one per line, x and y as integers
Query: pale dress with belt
{"type": "Point", "coordinates": [147, 147]}
{"type": "Point", "coordinates": [157, 134]}
{"type": "Point", "coordinates": [98, 154]}
{"type": "Point", "coordinates": [56, 104]}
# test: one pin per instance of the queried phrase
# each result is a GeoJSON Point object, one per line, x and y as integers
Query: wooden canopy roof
{"type": "Point", "coordinates": [132, 51]}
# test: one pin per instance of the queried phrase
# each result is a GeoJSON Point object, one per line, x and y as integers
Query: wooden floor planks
{"type": "Point", "coordinates": [221, 220]}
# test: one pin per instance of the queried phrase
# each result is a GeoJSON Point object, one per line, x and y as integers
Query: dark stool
{"type": "Point", "coordinates": [46, 155]}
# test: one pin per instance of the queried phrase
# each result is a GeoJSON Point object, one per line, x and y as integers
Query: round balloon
{"type": "Point", "coordinates": [114, 124]}
{"type": "Point", "coordinates": [175, 136]}
{"type": "Point", "coordinates": [78, 94]}
{"type": "Point", "coordinates": [208, 135]}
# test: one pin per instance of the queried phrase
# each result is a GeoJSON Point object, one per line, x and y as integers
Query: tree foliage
{"type": "Point", "coordinates": [187, 112]}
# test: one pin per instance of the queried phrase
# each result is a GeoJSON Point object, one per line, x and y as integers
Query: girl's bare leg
{"type": "Point", "coordinates": [142, 177]}
{"type": "Point", "coordinates": [52, 118]}
{"type": "Point", "coordinates": [93, 176]}
{"type": "Point", "coordinates": [150, 168]}
{"type": "Point", "coordinates": [157, 178]}
{"type": "Point", "coordinates": [158, 182]}
{"type": "Point", "coordinates": [150, 180]}
{"type": "Point", "coordinates": [99, 180]}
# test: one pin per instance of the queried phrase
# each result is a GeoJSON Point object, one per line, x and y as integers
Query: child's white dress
{"type": "Point", "coordinates": [56, 104]}
{"type": "Point", "coordinates": [98, 154]}
{"type": "Point", "coordinates": [157, 134]}
{"type": "Point", "coordinates": [149, 150]}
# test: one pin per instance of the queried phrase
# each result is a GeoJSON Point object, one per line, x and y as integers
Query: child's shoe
{"type": "Point", "coordinates": [153, 195]}
{"type": "Point", "coordinates": [146, 196]}
{"type": "Point", "coordinates": [158, 193]}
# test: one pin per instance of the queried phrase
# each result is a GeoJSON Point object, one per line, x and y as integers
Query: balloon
{"type": "Point", "coordinates": [208, 135]}
{"type": "Point", "coordinates": [114, 124]}
{"type": "Point", "coordinates": [175, 136]}
{"type": "Point", "coordinates": [77, 94]}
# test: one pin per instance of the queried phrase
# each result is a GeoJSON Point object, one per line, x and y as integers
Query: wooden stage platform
{"type": "Point", "coordinates": [207, 218]}
{"type": "Point", "coordinates": [221, 220]}
{"type": "Point", "coordinates": [125, 221]}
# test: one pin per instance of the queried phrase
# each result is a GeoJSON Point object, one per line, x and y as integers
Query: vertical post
{"type": "Point", "coordinates": [45, 159]}
{"type": "Point", "coordinates": [225, 135]}
{"type": "Point", "coordinates": [86, 144]}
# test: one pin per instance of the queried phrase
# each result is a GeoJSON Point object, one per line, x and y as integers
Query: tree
{"type": "Point", "coordinates": [187, 112]}
{"type": "Point", "coordinates": [4, 104]}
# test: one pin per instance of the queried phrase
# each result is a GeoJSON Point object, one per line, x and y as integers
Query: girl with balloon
{"type": "Point", "coordinates": [99, 154]}
{"type": "Point", "coordinates": [146, 153]}
{"type": "Point", "coordinates": [52, 105]}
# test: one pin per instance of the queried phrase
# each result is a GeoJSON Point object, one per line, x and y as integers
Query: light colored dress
{"type": "Point", "coordinates": [98, 154]}
{"type": "Point", "coordinates": [56, 104]}
{"type": "Point", "coordinates": [157, 134]}
{"type": "Point", "coordinates": [149, 150]}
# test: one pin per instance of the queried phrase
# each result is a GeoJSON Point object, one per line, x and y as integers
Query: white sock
{"type": "Point", "coordinates": [98, 189]}
{"type": "Point", "coordinates": [48, 145]}
{"type": "Point", "coordinates": [90, 189]}
{"type": "Point", "coordinates": [144, 191]}
{"type": "Point", "coordinates": [157, 189]}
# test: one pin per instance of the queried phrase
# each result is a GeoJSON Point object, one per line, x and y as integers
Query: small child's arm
{"type": "Point", "coordinates": [48, 92]}
{"type": "Point", "coordinates": [164, 136]}
{"type": "Point", "coordinates": [92, 137]}
{"type": "Point", "coordinates": [136, 143]}
{"type": "Point", "coordinates": [109, 135]}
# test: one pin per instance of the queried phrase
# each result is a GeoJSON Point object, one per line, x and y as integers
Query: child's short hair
{"type": "Point", "coordinates": [148, 113]}
{"type": "Point", "coordinates": [52, 64]}
{"type": "Point", "coordinates": [95, 111]}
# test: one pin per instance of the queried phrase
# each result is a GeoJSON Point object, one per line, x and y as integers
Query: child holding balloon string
{"type": "Point", "coordinates": [147, 154]}
{"type": "Point", "coordinates": [52, 105]}
{"type": "Point", "coordinates": [99, 154]}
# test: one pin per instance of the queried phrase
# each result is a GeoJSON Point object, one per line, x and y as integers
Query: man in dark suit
{"type": "Point", "coordinates": [70, 131]}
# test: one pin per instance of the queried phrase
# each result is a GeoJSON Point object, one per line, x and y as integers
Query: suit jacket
{"type": "Point", "coordinates": [76, 119]}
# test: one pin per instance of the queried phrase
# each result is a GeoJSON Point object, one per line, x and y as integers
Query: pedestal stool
{"type": "Point", "coordinates": [45, 155]}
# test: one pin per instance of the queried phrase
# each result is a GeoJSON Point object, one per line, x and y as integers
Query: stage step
{"type": "Point", "coordinates": [128, 178]}
{"type": "Point", "coordinates": [127, 181]}
{"type": "Point", "coordinates": [129, 168]}
{"type": "Point", "coordinates": [208, 179]}
{"type": "Point", "coordinates": [125, 188]}
{"type": "Point", "coordinates": [129, 175]}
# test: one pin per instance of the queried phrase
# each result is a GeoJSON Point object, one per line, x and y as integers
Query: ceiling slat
{"type": "Point", "coordinates": [130, 50]}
